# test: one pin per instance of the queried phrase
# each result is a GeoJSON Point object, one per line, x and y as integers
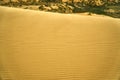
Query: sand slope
{"type": "Point", "coordinates": [38, 45]}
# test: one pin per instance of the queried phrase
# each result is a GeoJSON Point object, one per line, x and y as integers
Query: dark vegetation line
{"type": "Point", "coordinates": [106, 7]}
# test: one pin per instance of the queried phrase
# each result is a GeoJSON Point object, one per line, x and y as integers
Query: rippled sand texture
{"type": "Point", "coordinates": [38, 45]}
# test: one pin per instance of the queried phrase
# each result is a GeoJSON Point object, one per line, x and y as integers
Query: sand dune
{"type": "Point", "coordinates": [36, 45]}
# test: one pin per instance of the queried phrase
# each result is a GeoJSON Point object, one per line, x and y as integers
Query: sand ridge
{"type": "Point", "coordinates": [48, 13]}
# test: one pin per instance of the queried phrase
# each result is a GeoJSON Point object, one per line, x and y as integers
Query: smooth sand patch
{"type": "Point", "coordinates": [36, 45]}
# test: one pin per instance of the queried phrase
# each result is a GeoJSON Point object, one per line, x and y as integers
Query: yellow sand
{"type": "Point", "coordinates": [37, 45]}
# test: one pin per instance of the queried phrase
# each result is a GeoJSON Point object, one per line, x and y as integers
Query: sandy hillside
{"type": "Point", "coordinates": [37, 45]}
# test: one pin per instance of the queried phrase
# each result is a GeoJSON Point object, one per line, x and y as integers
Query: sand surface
{"type": "Point", "coordinates": [36, 45]}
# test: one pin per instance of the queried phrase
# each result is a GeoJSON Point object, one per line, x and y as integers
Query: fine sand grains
{"type": "Point", "coordinates": [36, 45]}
